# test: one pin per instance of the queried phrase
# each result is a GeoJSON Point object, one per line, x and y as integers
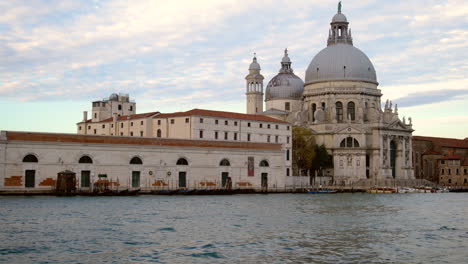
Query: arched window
{"type": "Point", "coordinates": [393, 148]}
{"type": "Point", "coordinates": [356, 143]}
{"type": "Point", "coordinates": [182, 161]}
{"type": "Point", "coordinates": [349, 142]}
{"type": "Point", "coordinates": [30, 158]}
{"type": "Point", "coordinates": [85, 159]}
{"type": "Point", "coordinates": [339, 111]}
{"type": "Point", "coordinates": [225, 162]}
{"type": "Point", "coordinates": [264, 163]}
{"type": "Point", "coordinates": [351, 111]}
{"type": "Point", "coordinates": [343, 144]}
{"type": "Point", "coordinates": [158, 133]}
{"type": "Point", "coordinates": [136, 160]}
{"type": "Point", "coordinates": [314, 108]}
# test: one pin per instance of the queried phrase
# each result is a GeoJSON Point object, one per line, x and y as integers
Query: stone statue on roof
{"type": "Point", "coordinates": [339, 7]}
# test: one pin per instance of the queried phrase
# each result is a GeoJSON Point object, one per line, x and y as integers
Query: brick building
{"type": "Point", "coordinates": [434, 158]}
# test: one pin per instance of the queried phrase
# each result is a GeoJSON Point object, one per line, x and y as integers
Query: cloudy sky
{"type": "Point", "coordinates": [56, 56]}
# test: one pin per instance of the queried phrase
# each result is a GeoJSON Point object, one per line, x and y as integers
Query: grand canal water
{"type": "Point", "coordinates": [278, 228]}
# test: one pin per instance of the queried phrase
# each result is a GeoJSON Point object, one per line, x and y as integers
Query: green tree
{"type": "Point", "coordinates": [303, 150]}
{"type": "Point", "coordinates": [322, 160]}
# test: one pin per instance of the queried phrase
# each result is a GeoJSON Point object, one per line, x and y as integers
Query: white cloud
{"type": "Point", "coordinates": [199, 51]}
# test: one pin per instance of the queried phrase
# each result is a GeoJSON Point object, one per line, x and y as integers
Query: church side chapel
{"type": "Point", "coordinates": [341, 104]}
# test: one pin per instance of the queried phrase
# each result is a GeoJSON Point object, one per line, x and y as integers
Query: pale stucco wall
{"type": "Point", "coordinates": [113, 160]}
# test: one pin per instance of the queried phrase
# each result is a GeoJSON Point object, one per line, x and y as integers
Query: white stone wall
{"type": "Point", "coordinates": [259, 132]}
{"type": "Point", "coordinates": [159, 163]}
{"type": "Point", "coordinates": [254, 102]}
{"type": "Point", "coordinates": [369, 127]}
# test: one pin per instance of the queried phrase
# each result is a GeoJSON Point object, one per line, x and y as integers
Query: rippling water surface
{"type": "Point", "coordinates": [276, 228]}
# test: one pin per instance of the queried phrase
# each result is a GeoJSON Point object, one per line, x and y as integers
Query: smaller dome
{"type": "Point", "coordinates": [114, 97]}
{"type": "Point", "coordinates": [254, 65]}
{"type": "Point", "coordinates": [339, 17]}
{"type": "Point", "coordinates": [284, 86]}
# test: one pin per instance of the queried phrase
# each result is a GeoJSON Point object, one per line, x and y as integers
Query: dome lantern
{"type": "Point", "coordinates": [286, 63]}
{"type": "Point", "coordinates": [339, 32]}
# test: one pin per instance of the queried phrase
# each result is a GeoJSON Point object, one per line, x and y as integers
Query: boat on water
{"type": "Point", "coordinates": [125, 192]}
{"type": "Point", "coordinates": [382, 190]}
{"type": "Point", "coordinates": [458, 190]}
{"type": "Point", "coordinates": [442, 190]}
{"type": "Point", "coordinates": [406, 190]}
{"type": "Point", "coordinates": [321, 191]}
{"type": "Point", "coordinates": [425, 190]}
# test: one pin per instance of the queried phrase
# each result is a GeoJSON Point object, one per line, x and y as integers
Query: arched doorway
{"type": "Point", "coordinates": [393, 157]}
{"type": "Point", "coordinates": [136, 171]}
{"type": "Point", "coordinates": [264, 175]}
{"type": "Point", "coordinates": [225, 179]}
{"type": "Point", "coordinates": [182, 174]}
{"type": "Point", "coordinates": [85, 174]}
{"type": "Point", "coordinates": [30, 174]}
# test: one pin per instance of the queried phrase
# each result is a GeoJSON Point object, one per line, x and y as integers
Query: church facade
{"type": "Point", "coordinates": [341, 104]}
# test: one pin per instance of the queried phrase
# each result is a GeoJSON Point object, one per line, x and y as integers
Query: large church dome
{"type": "Point", "coordinates": [285, 85]}
{"type": "Point", "coordinates": [340, 60]}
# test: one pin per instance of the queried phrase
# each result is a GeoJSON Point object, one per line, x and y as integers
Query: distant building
{"type": "Point", "coordinates": [195, 124]}
{"type": "Point", "coordinates": [441, 160]}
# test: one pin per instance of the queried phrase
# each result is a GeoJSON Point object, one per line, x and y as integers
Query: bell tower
{"type": "Point", "coordinates": [254, 88]}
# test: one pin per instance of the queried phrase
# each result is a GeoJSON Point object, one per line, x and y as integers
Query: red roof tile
{"type": "Point", "coordinates": [203, 112]}
{"type": "Point", "coordinates": [73, 138]}
{"type": "Point", "coordinates": [198, 112]}
{"type": "Point", "coordinates": [452, 157]}
{"type": "Point", "coordinates": [445, 142]}
{"type": "Point", "coordinates": [431, 152]}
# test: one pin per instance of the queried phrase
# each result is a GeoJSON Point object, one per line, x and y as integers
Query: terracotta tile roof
{"type": "Point", "coordinates": [452, 157]}
{"type": "Point", "coordinates": [197, 112]}
{"type": "Point", "coordinates": [222, 114]}
{"type": "Point", "coordinates": [431, 152]}
{"type": "Point", "coordinates": [175, 114]}
{"type": "Point", "coordinates": [445, 142]}
{"type": "Point", "coordinates": [74, 138]}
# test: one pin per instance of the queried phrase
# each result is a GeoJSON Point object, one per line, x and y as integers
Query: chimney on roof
{"type": "Point", "coordinates": [85, 116]}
